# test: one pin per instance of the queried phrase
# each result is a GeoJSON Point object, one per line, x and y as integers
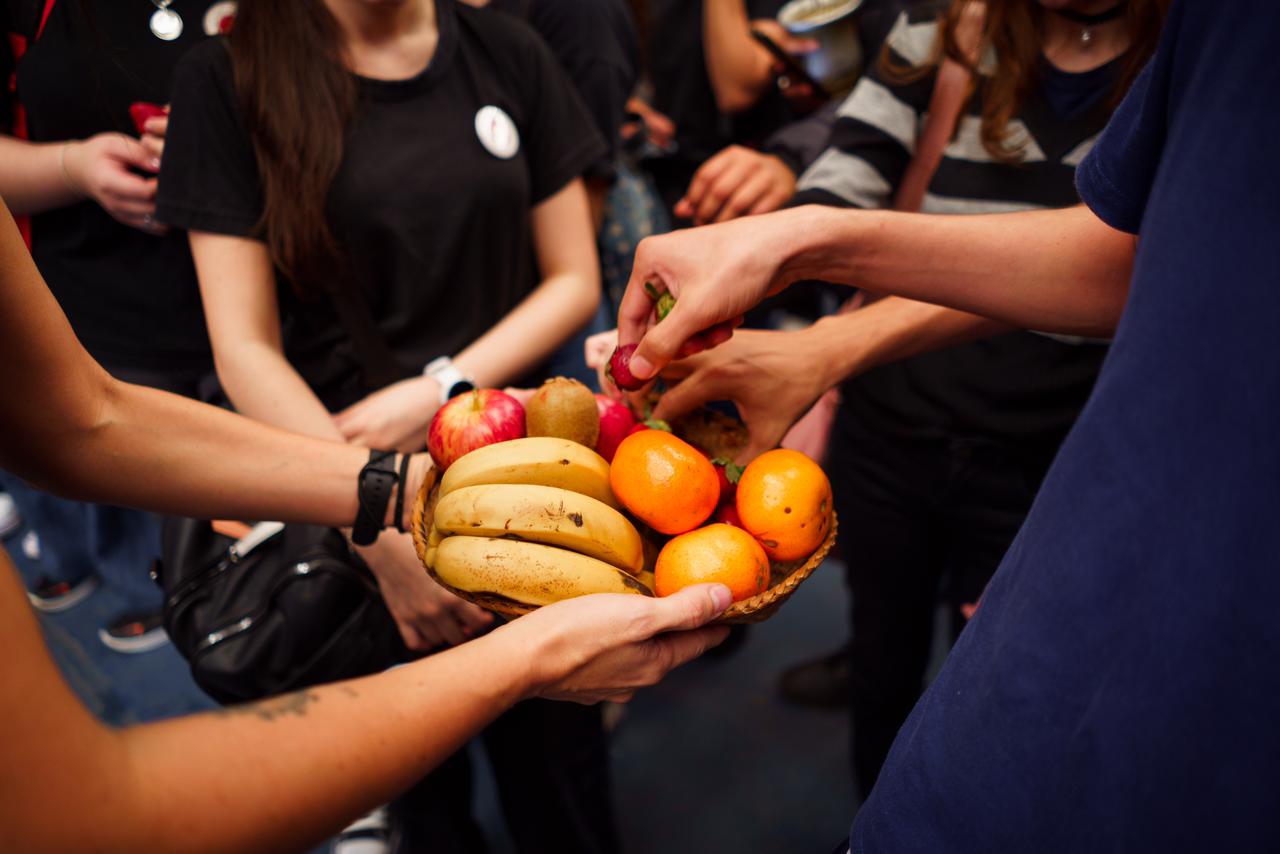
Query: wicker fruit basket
{"type": "Point", "coordinates": [716, 434]}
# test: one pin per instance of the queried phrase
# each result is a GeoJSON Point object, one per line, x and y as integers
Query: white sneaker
{"type": "Point", "coordinates": [366, 835]}
{"type": "Point", "coordinates": [31, 546]}
{"type": "Point", "coordinates": [10, 519]}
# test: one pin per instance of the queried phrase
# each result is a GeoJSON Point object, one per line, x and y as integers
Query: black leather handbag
{"type": "Point", "coordinates": [285, 607]}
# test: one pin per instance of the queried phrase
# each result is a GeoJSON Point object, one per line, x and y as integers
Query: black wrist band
{"type": "Point", "coordinates": [404, 485]}
{"type": "Point", "coordinates": [374, 491]}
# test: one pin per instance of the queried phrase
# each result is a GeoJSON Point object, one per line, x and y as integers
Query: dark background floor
{"type": "Point", "coordinates": [710, 760]}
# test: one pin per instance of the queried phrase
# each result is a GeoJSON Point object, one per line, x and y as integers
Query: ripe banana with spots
{"type": "Point", "coordinates": [542, 514]}
{"type": "Point", "coordinates": [528, 573]}
{"type": "Point", "coordinates": [538, 460]}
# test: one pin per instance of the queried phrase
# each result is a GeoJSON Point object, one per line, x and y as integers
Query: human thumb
{"type": "Point", "coordinates": [132, 152]}
{"type": "Point", "coordinates": [661, 343]}
{"type": "Point", "coordinates": [690, 608]}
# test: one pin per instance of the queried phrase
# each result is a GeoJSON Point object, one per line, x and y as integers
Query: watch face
{"type": "Point", "coordinates": [460, 387]}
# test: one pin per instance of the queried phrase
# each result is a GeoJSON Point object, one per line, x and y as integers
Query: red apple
{"type": "Point", "coordinates": [616, 422]}
{"type": "Point", "coordinates": [472, 420]}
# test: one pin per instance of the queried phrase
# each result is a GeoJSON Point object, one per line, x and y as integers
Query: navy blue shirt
{"type": "Point", "coordinates": [1117, 689]}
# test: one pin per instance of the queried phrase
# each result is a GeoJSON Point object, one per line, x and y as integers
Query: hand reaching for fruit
{"type": "Point", "coordinates": [716, 273]}
{"type": "Point", "coordinates": [773, 378]}
{"type": "Point", "coordinates": [393, 417]}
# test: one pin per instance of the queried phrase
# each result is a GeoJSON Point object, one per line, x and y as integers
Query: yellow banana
{"type": "Point", "coordinates": [433, 543]}
{"type": "Point", "coordinates": [539, 460]}
{"type": "Point", "coordinates": [542, 514]}
{"type": "Point", "coordinates": [529, 573]}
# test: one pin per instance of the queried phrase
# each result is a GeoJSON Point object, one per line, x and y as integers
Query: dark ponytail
{"type": "Point", "coordinates": [297, 97]}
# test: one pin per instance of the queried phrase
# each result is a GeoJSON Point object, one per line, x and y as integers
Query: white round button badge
{"type": "Point", "coordinates": [219, 18]}
{"type": "Point", "coordinates": [497, 132]}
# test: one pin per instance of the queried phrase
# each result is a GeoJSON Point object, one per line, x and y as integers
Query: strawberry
{"type": "Point", "coordinates": [619, 369]}
{"type": "Point", "coordinates": [141, 112]}
{"type": "Point", "coordinates": [728, 514]}
{"type": "Point", "coordinates": [729, 474]}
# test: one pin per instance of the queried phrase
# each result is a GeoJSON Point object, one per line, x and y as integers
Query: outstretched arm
{"type": "Point", "coordinates": [285, 773]}
{"type": "Point", "coordinates": [288, 771]}
{"type": "Point", "coordinates": [94, 438]}
{"type": "Point", "coordinates": [774, 378]}
{"type": "Point", "coordinates": [1055, 271]}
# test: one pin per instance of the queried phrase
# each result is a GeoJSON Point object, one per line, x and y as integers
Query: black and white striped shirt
{"type": "Point", "coordinates": [1021, 387]}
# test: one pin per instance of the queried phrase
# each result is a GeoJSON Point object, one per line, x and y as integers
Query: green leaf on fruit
{"type": "Point", "coordinates": [663, 300]}
{"type": "Point", "coordinates": [732, 470]}
{"type": "Point", "coordinates": [657, 424]}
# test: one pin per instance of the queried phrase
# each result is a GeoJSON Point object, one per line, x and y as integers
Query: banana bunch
{"type": "Point", "coordinates": [534, 521]}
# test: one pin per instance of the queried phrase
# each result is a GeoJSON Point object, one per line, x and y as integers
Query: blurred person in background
{"type": "Point", "coordinates": [71, 159]}
{"type": "Point", "coordinates": [596, 44]}
{"type": "Point", "coordinates": [740, 180]}
{"type": "Point", "coordinates": [281, 774]}
{"type": "Point", "coordinates": [936, 457]}
{"type": "Point", "coordinates": [709, 82]}
{"type": "Point", "coordinates": [404, 178]}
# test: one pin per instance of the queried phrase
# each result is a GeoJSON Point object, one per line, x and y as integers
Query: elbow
{"type": "Point", "coordinates": [587, 300]}
{"type": "Point", "coordinates": [57, 458]}
{"type": "Point", "coordinates": [736, 98]}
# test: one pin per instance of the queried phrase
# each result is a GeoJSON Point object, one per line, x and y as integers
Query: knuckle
{"type": "Point", "coordinates": [642, 625]}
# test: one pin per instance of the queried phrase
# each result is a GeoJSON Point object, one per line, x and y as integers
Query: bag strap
{"type": "Point", "coordinates": [951, 92]}
{"type": "Point", "coordinates": [378, 365]}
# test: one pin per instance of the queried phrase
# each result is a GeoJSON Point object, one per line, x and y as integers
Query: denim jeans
{"type": "Point", "coordinates": [78, 540]}
{"type": "Point", "coordinates": [119, 544]}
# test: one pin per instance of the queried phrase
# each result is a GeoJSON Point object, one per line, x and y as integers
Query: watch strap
{"type": "Point", "coordinates": [373, 492]}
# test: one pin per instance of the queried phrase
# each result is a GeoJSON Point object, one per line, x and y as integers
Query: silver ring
{"type": "Point", "coordinates": [784, 82]}
{"type": "Point", "coordinates": [148, 220]}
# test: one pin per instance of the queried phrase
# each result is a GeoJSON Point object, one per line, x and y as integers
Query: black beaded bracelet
{"type": "Point", "coordinates": [404, 485]}
{"type": "Point", "coordinates": [374, 485]}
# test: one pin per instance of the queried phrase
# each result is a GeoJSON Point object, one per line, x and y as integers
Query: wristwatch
{"type": "Point", "coordinates": [452, 381]}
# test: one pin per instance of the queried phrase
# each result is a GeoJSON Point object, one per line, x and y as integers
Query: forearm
{"type": "Point", "coordinates": [265, 387]}
{"type": "Point", "coordinates": [736, 66]}
{"type": "Point", "coordinates": [165, 453]}
{"type": "Point", "coordinates": [531, 332]}
{"type": "Point", "coordinates": [32, 176]}
{"type": "Point", "coordinates": [889, 330]}
{"type": "Point", "coordinates": [293, 769]}
{"type": "Point", "coordinates": [1056, 271]}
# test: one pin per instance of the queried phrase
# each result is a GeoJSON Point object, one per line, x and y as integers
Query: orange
{"type": "Point", "coordinates": [719, 553]}
{"type": "Point", "coordinates": [664, 481]}
{"type": "Point", "coordinates": [784, 500]}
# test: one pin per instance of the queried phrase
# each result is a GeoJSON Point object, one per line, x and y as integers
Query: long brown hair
{"type": "Point", "coordinates": [297, 97]}
{"type": "Point", "coordinates": [1014, 31]}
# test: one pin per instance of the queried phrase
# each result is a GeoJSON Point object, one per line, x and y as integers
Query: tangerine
{"type": "Point", "coordinates": [784, 501]}
{"type": "Point", "coordinates": [664, 481]}
{"type": "Point", "coordinates": [716, 553]}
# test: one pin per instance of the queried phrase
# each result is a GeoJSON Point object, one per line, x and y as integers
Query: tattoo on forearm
{"type": "Point", "coordinates": [277, 707]}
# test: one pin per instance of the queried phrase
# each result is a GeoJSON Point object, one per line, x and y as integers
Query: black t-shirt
{"type": "Point", "coordinates": [682, 90]}
{"type": "Point", "coordinates": [595, 41]}
{"type": "Point", "coordinates": [131, 297]}
{"type": "Point", "coordinates": [434, 227]}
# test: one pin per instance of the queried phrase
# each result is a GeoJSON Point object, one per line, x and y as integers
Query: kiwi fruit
{"type": "Point", "coordinates": [565, 409]}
